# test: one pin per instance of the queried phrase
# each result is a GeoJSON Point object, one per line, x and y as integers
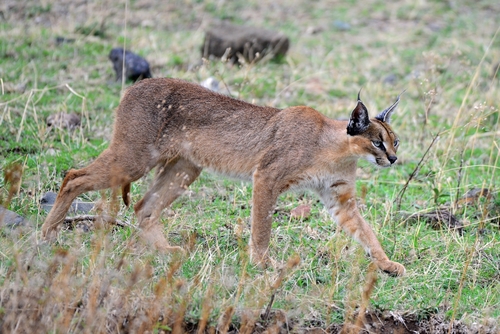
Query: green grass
{"type": "Point", "coordinates": [442, 53]}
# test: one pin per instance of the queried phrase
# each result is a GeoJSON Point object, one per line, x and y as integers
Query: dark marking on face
{"type": "Point", "coordinates": [337, 184]}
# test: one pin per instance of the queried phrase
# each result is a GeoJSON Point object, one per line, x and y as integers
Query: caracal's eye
{"type": "Point", "coordinates": [396, 143]}
{"type": "Point", "coordinates": [378, 144]}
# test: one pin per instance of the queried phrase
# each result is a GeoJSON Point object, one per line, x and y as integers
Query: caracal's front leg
{"type": "Point", "coordinates": [263, 201]}
{"type": "Point", "coordinates": [341, 204]}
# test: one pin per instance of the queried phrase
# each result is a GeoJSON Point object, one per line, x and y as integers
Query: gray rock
{"type": "Point", "coordinates": [391, 79]}
{"type": "Point", "coordinates": [61, 40]}
{"type": "Point", "coordinates": [11, 219]}
{"type": "Point", "coordinates": [211, 83]}
{"type": "Point", "coordinates": [136, 67]}
{"type": "Point", "coordinates": [341, 25]}
{"type": "Point", "coordinates": [49, 198]}
{"type": "Point", "coordinates": [63, 120]}
{"type": "Point", "coordinates": [227, 40]}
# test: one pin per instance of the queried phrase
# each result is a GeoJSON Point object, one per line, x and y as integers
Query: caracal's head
{"type": "Point", "coordinates": [374, 138]}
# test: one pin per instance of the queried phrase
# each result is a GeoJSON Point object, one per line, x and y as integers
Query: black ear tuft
{"type": "Point", "coordinates": [359, 121]}
{"type": "Point", "coordinates": [385, 116]}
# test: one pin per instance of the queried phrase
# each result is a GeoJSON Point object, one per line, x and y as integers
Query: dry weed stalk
{"type": "Point", "coordinates": [155, 308]}
{"type": "Point", "coordinates": [291, 263]}
{"type": "Point", "coordinates": [470, 253]}
{"type": "Point", "coordinates": [225, 320]}
{"type": "Point", "coordinates": [168, 288]}
{"type": "Point", "coordinates": [459, 180]}
{"type": "Point", "coordinates": [415, 172]}
{"type": "Point", "coordinates": [336, 255]}
{"type": "Point", "coordinates": [13, 175]}
{"type": "Point", "coordinates": [247, 323]}
{"type": "Point", "coordinates": [353, 324]}
{"type": "Point", "coordinates": [24, 116]}
{"type": "Point", "coordinates": [178, 327]}
{"type": "Point", "coordinates": [62, 287]}
{"type": "Point", "coordinates": [370, 282]}
{"type": "Point", "coordinates": [97, 264]}
{"type": "Point", "coordinates": [206, 308]}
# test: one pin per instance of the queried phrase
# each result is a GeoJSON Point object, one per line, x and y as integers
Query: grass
{"type": "Point", "coordinates": [442, 53]}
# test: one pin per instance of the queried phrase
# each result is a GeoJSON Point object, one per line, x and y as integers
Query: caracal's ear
{"type": "Point", "coordinates": [359, 121]}
{"type": "Point", "coordinates": [385, 116]}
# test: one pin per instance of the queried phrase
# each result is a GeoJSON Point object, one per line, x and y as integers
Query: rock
{"type": "Point", "coordinates": [19, 88]}
{"type": "Point", "coordinates": [51, 152]}
{"type": "Point", "coordinates": [391, 79]}
{"type": "Point", "coordinates": [11, 219]}
{"type": "Point", "coordinates": [61, 40]}
{"type": "Point", "coordinates": [211, 83]}
{"type": "Point", "coordinates": [313, 30]}
{"type": "Point", "coordinates": [232, 42]}
{"type": "Point", "coordinates": [341, 25]}
{"type": "Point", "coordinates": [49, 198]}
{"type": "Point", "coordinates": [435, 26]}
{"type": "Point", "coordinates": [136, 67]}
{"type": "Point", "coordinates": [64, 121]}
{"type": "Point", "coordinates": [301, 212]}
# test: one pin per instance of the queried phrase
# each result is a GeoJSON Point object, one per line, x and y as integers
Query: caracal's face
{"type": "Point", "coordinates": [381, 144]}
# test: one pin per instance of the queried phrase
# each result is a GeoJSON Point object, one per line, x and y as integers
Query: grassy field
{"type": "Point", "coordinates": [444, 53]}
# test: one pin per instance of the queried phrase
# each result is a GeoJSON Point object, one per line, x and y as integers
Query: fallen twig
{"type": "Point", "coordinates": [104, 218]}
{"type": "Point", "coordinates": [438, 218]}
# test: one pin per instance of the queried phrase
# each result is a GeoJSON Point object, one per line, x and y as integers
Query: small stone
{"type": "Point", "coordinates": [391, 79]}
{"type": "Point", "coordinates": [341, 25]}
{"type": "Point", "coordinates": [18, 88]}
{"type": "Point", "coordinates": [61, 40]}
{"type": "Point", "coordinates": [51, 152]}
{"type": "Point", "coordinates": [64, 121]}
{"type": "Point", "coordinates": [313, 30]}
{"type": "Point", "coordinates": [136, 67]}
{"type": "Point", "coordinates": [211, 83]}
{"type": "Point", "coordinates": [301, 212]}
{"type": "Point", "coordinates": [49, 198]}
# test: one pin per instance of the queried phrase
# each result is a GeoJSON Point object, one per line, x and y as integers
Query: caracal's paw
{"type": "Point", "coordinates": [264, 261]}
{"type": "Point", "coordinates": [153, 236]}
{"type": "Point", "coordinates": [261, 263]}
{"type": "Point", "coordinates": [164, 247]}
{"type": "Point", "coordinates": [49, 232]}
{"type": "Point", "coordinates": [391, 268]}
{"type": "Point", "coordinates": [260, 260]}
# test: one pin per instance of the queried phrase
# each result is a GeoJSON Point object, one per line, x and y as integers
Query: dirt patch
{"type": "Point", "coordinates": [375, 322]}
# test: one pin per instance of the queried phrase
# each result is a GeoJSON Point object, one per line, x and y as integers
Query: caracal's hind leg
{"type": "Point", "coordinates": [105, 172]}
{"type": "Point", "coordinates": [171, 180]}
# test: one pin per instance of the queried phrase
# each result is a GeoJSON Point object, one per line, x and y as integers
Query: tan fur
{"type": "Point", "coordinates": [181, 128]}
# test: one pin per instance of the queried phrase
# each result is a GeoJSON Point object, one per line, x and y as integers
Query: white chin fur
{"type": "Point", "coordinates": [371, 158]}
